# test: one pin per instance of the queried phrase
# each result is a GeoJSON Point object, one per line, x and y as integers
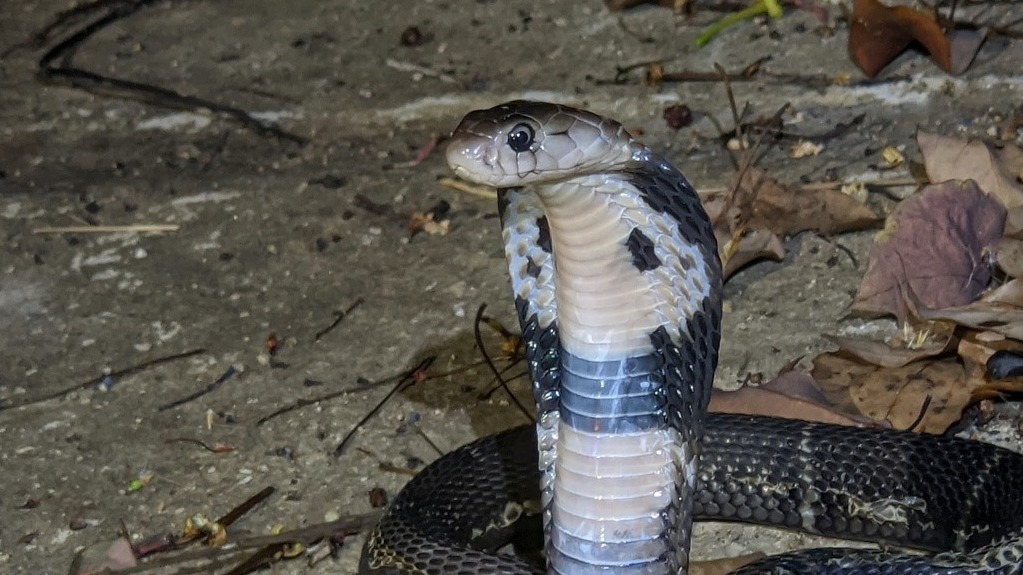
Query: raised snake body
{"type": "Point", "coordinates": [621, 337]}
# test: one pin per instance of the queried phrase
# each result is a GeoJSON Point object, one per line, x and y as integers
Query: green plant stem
{"type": "Point", "coordinates": [770, 7]}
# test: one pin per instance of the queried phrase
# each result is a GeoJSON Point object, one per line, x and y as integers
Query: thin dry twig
{"type": "Point", "coordinates": [217, 557]}
{"type": "Point", "coordinates": [342, 392]}
{"type": "Point", "coordinates": [138, 228]}
{"type": "Point", "coordinates": [490, 363]}
{"type": "Point", "coordinates": [341, 315]}
{"type": "Point", "coordinates": [408, 379]}
{"type": "Point", "coordinates": [384, 466]}
{"type": "Point", "coordinates": [56, 67]}
{"type": "Point", "coordinates": [211, 387]}
{"type": "Point", "coordinates": [422, 434]}
{"type": "Point", "coordinates": [8, 403]}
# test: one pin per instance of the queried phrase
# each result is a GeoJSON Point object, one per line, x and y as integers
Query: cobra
{"type": "Point", "coordinates": [617, 285]}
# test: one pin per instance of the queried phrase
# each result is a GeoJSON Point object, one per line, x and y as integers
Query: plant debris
{"type": "Point", "coordinates": [791, 395]}
{"type": "Point", "coordinates": [751, 221]}
{"type": "Point", "coordinates": [933, 250]}
{"type": "Point", "coordinates": [996, 171]}
{"type": "Point", "coordinates": [879, 33]}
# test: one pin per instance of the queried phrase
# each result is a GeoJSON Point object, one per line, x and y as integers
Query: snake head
{"type": "Point", "coordinates": [523, 142]}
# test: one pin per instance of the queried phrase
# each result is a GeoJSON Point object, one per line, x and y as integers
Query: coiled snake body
{"type": "Point", "coordinates": [621, 338]}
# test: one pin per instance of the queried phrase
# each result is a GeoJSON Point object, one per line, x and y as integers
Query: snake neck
{"type": "Point", "coordinates": [616, 414]}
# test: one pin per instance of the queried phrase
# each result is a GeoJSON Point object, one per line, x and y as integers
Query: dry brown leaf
{"type": "Point", "coordinates": [879, 33]}
{"type": "Point", "coordinates": [886, 355]}
{"type": "Point", "coordinates": [750, 222]}
{"type": "Point", "coordinates": [932, 251]}
{"type": "Point", "coordinates": [898, 395]}
{"type": "Point", "coordinates": [1010, 293]}
{"type": "Point", "coordinates": [1009, 255]}
{"type": "Point", "coordinates": [778, 398]}
{"type": "Point", "coordinates": [1014, 223]}
{"type": "Point", "coordinates": [995, 171]}
{"type": "Point", "coordinates": [983, 315]}
{"type": "Point", "coordinates": [976, 347]}
{"type": "Point", "coordinates": [750, 246]}
{"type": "Point", "coordinates": [787, 211]}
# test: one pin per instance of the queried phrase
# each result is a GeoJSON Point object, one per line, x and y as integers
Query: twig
{"type": "Point", "coordinates": [497, 374]}
{"type": "Point", "coordinates": [497, 383]}
{"type": "Point", "coordinates": [655, 74]}
{"type": "Point", "coordinates": [245, 506]}
{"type": "Point", "coordinates": [231, 372]}
{"type": "Point", "coordinates": [382, 466]}
{"type": "Point", "coordinates": [202, 444]}
{"type": "Point", "coordinates": [164, 544]}
{"type": "Point", "coordinates": [139, 228]}
{"type": "Point", "coordinates": [55, 67]}
{"type": "Point", "coordinates": [218, 555]}
{"type": "Point", "coordinates": [8, 403]}
{"type": "Point", "coordinates": [408, 378]}
{"type": "Point", "coordinates": [342, 392]}
{"type": "Point", "coordinates": [419, 431]}
{"type": "Point", "coordinates": [340, 316]}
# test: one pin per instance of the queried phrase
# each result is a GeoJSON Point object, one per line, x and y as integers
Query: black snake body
{"type": "Point", "coordinates": [897, 488]}
{"type": "Point", "coordinates": [621, 338]}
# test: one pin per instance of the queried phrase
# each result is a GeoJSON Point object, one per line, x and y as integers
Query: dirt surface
{"type": "Point", "coordinates": [277, 238]}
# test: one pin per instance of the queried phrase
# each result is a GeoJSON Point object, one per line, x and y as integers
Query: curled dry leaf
{"type": "Point", "coordinates": [933, 251]}
{"type": "Point", "coordinates": [1010, 293]}
{"type": "Point", "coordinates": [791, 395]}
{"type": "Point", "coordinates": [977, 347]}
{"type": "Point", "coordinates": [786, 211]}
{"type": "Point", "coordinates": [750, 222]}
{"type": "Point", "coordinates": [1001, 318]}
{"type": "Point", "coordinates": [996, 171]}
{"type": "Point", "coordinates": [879, 33]}
{"type": "Point", "coordinates": [749, 246]}
{"type": "Point", "coordinates": [933, 340]}
{"type": "Point", "coordinates": [899, 395]}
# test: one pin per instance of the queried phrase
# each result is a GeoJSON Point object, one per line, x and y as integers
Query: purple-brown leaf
{"type": "Point", "coordinates": [934, 251]}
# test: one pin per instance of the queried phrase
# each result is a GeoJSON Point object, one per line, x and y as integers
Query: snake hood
{"type": "Point", "coordinates": [524, 142]}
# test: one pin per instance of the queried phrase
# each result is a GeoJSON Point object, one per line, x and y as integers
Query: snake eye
{"type": "Point", "coordinates": [520, 138]}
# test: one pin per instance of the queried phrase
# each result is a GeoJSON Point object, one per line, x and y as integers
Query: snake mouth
{"type": "Point", "coordinates": [470, 161]}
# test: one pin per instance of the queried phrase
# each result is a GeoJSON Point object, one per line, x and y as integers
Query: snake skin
{"type": "Point", "coordinates": [890, 487]}
{"type": "Point", "coordinates": [621, 339]}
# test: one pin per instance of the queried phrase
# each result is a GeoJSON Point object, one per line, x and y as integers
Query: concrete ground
{"type": "Point", "coordinates": [277, 238]}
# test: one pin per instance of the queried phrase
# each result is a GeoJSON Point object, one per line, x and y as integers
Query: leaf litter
{"type": "Point", "coordinates": [878, 34]}
{"type": "Point", "coordinates": [752, 219]}
{"type": "Point", "coordinates": [933, 251]}
{"type": "Point", "coordinates": [946, 266]}
{"type": "Point", "coordinates": [934, 267]}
